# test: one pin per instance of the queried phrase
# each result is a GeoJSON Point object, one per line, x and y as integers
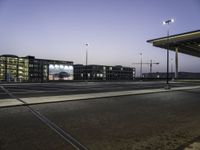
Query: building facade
{"type": "Point", "coordinates": [163, 75]}
{"type": "Point", "coordinates": [30, 69]}
{"type": "Point", "coordinates": [101, 72]}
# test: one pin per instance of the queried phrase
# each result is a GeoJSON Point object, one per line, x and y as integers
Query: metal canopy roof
{"type": "Point", "coordinates": [188, 43]}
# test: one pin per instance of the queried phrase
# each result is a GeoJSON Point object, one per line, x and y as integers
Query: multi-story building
{"type": "Point", "coordinates": [163, 75]}
{"type": "Point", "coordinates": [13, 68]}
{"type": "Point", "coordinates": [100, 72]}
{"type": "Point", "coordinates": [30, 69]}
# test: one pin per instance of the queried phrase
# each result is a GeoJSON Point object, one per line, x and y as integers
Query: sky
{"type": "Point", "coordinates": [116, 30]}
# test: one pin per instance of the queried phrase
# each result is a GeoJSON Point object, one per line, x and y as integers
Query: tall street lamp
{"type": "Point", "coordinates": [141, 66]}
{"type": "Point", "coordinates": [167, 22]}
{"type": "Point", "coordinates": [86, 60]}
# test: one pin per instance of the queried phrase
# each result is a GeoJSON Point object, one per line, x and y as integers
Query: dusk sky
{"type": "Point", "coordinates": [116, 30]}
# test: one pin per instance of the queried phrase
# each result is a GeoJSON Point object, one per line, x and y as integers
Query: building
{"type": "Point", "coordinates": [101, 72]}
{"type": "Point", "coordinates": [163, 75]}
{"type": "Point", "coordinates": [30, 69]}
{"type": "Point", "coordinates": [158, 75]}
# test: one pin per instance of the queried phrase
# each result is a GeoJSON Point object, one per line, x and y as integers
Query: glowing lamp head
{"type": "Point", "coordinates": [164, 22]}
{"type": "Point", "coordinates": [168, 21]}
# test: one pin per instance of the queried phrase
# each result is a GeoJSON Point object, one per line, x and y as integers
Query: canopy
{"type": "Point", "coordinates": [187, 43]}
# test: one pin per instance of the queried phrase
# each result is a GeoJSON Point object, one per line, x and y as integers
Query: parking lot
{"type": "Point", "coordinates": [156, 121]}
{"type": "Point", "coordinates": [48, 89]}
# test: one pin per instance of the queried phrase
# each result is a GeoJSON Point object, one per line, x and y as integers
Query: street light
{"type": "Point", "coordinates": [141, 66]}
{"type": "Point", "coordinates": [86, 60]}
{"type": "Point", "coordinates": [167, 22]}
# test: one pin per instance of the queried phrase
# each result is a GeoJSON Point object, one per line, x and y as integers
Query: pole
{"type": "Point", "coordinates": [168, 56]}
{"type": "Point", "coordinates": [176, 62]}
{"type": "Point", "coordinates": [150, 66]}
{"type": "Point", "coordinates": [86, 61]}
{"type": "Point", "coordinates": [141, 66]}
{"type": "Point", "coordinates": [168, 46]}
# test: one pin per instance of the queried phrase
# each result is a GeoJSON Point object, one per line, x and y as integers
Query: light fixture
{"type": "Point", "coordinates": [61, 66]}
{"type": "Point", "coordinates": [51, 66]}
{"type": "Point", "coordinates": [168, 21]}
{"type": "Point", "coordinates": [66, 67]}
{"type": "Point", "coordinates": [164, 22]}
{"type": "Point", "coordinates": [70, 67]}
{"type": "Point", "coordinates": [56, 66]}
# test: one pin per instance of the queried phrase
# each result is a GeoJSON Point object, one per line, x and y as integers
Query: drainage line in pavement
{"type": "Point", "coordinates": [66, 136]}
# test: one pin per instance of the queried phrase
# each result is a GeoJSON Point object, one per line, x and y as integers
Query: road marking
{"type": "Point", "coordinates": [66, 136]}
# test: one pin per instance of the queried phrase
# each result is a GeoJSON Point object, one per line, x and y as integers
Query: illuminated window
{"type": "Point", "coordinates": [70, 67]}
{"type": "Point", "coordinates": [61, 66]}
{"type": "Point", "coordinates": [51, 66]}
{"type": "Point", "coordinates": [66, 67]}
{"type": "Point", "coordinates": [56, 66]}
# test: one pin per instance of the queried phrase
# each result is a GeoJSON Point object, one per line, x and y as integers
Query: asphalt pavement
{"type": "Point", "coordinates": [67, 88]}
{"type": "Point", "coordinates": [153, 121]}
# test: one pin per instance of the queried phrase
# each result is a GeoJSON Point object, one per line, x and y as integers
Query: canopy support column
{"type": "Point", "coordinates": [176, 62]}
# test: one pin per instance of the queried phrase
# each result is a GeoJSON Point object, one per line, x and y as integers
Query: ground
{"type": "Point", "coordinates": [153, 121]}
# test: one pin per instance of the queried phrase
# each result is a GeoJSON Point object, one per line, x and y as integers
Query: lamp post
{"type": "Point", "coordinates": [141, 66]}
{"type": "Point", "coordinates": [86, 60]}
{"type": "Point", "coordinates": [167, 22]}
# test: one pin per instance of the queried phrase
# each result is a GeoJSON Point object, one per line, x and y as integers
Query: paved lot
{"type": "Point", "coordinates": [159, 121]}
{"type": "Point", "coordinates": [20, 130]}
{"type": "Point", "coordinates": [48, 89]}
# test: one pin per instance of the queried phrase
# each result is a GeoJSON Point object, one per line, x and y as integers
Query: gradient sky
{"type": "Point", "coordinates": [116, 30]}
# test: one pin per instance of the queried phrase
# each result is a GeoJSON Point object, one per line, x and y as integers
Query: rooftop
{"type": "Point", "coordinates": [188, 42]}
